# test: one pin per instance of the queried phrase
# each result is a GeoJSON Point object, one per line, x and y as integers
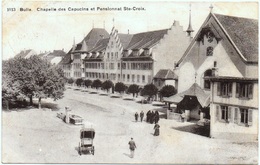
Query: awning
{"type": "Point", "coordinates": [194, 90]}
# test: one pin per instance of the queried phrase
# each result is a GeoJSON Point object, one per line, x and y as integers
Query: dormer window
{"type": "Point", "coordinates": [125, 54]}
{"type": "Point", "coordinates": [209, 51]}
{"type": "Point", "coordinates": [136, 53]}
{"type": "Point", "coordinates": [146, 52]}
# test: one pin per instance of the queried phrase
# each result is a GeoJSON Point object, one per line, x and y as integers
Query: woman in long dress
{"type": "Point", "coordinates": [156, 129]}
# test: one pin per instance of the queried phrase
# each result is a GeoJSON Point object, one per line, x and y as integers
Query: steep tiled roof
{"type": "Point", "coordinates": [146, 39]}
{"type": "Point", "coordinates": [194, 90]}
{"type": "Point", "coordinates": [66, 59]}
{"type": "Point", "coordinates": [125, 39]}
{"type": "Point", "coordinates": [165, 74]}
{"type": "Point", "coordinates": [244, 33]}
{"type": "Point", "coordinates": [94, 36]}
{"type": "Point", "coordinates": [100, 46]}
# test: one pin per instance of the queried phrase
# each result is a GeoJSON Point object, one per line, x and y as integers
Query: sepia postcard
{"type": "Point", "coordinates": [151, 82]}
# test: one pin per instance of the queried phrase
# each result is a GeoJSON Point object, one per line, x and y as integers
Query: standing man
{"type": "Point", "coordinates": [142, 115]}
{"type": "Point", "coordinates": [136, 116]}
{"type": "Point", "coordinates": [132, 147]}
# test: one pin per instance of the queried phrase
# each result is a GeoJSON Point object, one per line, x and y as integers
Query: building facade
{"type": "Point", "coordinates": [234, 106]}
{"type": "Point", "coordinates": [223, 60]}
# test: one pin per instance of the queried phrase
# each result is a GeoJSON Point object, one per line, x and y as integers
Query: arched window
{"type": "Point", "coordinates": [207, 73]}
{"type": "Point", "coordinates": [209, 51]}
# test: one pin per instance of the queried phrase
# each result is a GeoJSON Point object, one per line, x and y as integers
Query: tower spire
{"type": "Point", "coordinates": [189, 30]}
{"type": "Point", "coordinates": [211, 7]}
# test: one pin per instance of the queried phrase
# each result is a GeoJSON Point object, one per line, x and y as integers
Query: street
{"type": "Point", "coordinates": [38, 136]}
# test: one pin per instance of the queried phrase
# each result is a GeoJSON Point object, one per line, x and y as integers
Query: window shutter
{"type": "Point", "coordinates": [235, 115]}
{"type": "Point", "coordinates": [217, 112]}
{"type": "Point", "coordinates": [230, 89]}
{"type": "Point", "coordinates": [250, 91]}
{"type": "Point", "coordinates": [229, 114]}
{"type": "Point", "coordinates": [250, 117]}
{"type": "Point", "coordinates": [237, 89]}
{"type": "Point", "coordinates": [238, 116]}
{"type": "Point", "coordinates": [218, 89]}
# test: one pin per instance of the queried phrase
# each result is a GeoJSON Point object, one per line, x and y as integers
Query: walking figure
{"type": "Point", "coordinates": [132, 147]}
{"type": "Point", "coordinates": [156, 129]}
{"type": "Point", "coordinates": [148, 114]}
{"type": "Point", "coordinates": [136, 116]}
{"type": "Point", "coordinates": [142, 116]}
{"type": "Point", "coordinates": [156, 117]}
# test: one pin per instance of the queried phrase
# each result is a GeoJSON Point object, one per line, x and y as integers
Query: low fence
{"type": "Point", "coordinates": [173, 116]}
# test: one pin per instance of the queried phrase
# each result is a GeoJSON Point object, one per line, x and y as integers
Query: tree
{"type": "Point", "coordinates": [133, 88]}
{"type": "Point", "coordinates": [107, 85]}
{"type": "Point", "coordinates": [149, 90]}
{"type": "Point", "coordinates": [79, 81]}
{"type": "Point", "coordinates": [70, 81]}
{"type": "Point", "coordinates": [87, 83]}
{"type": "Point", "coordinates": [167, 91]}
{"type": "Point", "coordinates": [120, 87]}
{"type": "Point", "coordinates": [96, 84]}
{"type": "Point", "coordinates": [35, 77]}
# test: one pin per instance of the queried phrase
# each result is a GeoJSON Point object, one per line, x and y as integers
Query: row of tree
{"type": "Point", "coordinates": [149, 90]}
{"type": "Point", "coordinates": [31, 78]}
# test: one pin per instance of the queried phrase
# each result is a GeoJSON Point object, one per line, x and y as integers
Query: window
{"type": "Point", "coordinates": [224, 113]}
{"type": "Point", "coordinates": [118, 77]}
{"type": "Point", "coordinates": [118, 65]}
{"type": "Point", "coordinates": [112, 56]}
{"type": "Point", "coordinates": [116, 54]}
{"type": "Point", "coordinates": [138, 78]}
{"type": "Point", "coordinates": [146, 52]}
{"type": "Point", "coordinates": [128, 77]}
{"type": "Point", "coordinates": [244, 90]}
{"type": "Point", "coordinates": [123, 77]}
{"type": "Point", "coordinates": [111, 66]}
{"type": "Point", "coordinates": [136, 52]}
{"type": "Point", "coordinates": [224, 89]}
{"type": "Point", "coordinates": [143, 78]}
{"type": "Point", "coordinates": [123, 65]}
{"type": "Point", "coordinates": [133, 78]}
{"type": "Point", "coordinates": [244, 116]}
{"type": "Point", "coordinates": [207, 73]}
{"type": "Point", "coordinates": [128, 65]}
{"type": "Point", "coordinates": [108, 55]}
{"type": "Point", "coordinates": [209, 51]}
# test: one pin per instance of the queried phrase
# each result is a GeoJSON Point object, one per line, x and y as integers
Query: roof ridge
{"type": "Point", "coordinates": [235, 16]}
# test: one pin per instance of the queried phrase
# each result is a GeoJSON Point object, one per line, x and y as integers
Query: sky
{"type": "Point", "coordinates": [56, 30]}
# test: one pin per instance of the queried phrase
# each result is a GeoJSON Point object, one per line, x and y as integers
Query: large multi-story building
{"type": "Point", "coordinates": [222, 60]}
{"type": "Point", "coordinates": [127, 58]}
{"type": "Point", "coordinates": [136, 58]}
{"type": "Point", "coordinates": [72, 63]}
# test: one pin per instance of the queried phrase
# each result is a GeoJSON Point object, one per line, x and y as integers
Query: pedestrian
{"type": "Point", "coordinates": [152, 117]}
{"type": "Point", "coordinates": [132, 147]}
{"type": "Point", "coordinates": [136, 116]}
{"type": "Point", "coordinates": [141, 115]}
{"type": "Point", "coordinates": [148, 114]}
{"type": "Point", "coordinates": [156, 129]}
{"type": "Point", "coordinates": [157, 117]}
